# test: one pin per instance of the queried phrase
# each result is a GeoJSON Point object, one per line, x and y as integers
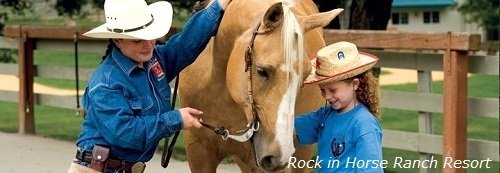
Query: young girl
{"type": "Point", "coordinates": [348, 134]}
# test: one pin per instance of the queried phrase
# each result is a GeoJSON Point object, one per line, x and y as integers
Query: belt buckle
{"type": "Point", "coordinates": [138, 167]}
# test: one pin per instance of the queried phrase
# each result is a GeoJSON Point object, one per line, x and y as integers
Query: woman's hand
{"type": "Point", "coordinates": [189, 117]}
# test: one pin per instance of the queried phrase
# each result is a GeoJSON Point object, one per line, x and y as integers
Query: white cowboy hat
{"type": "Point", "coordinates": [134, 19]}
{"type": "Point", "coordinates": [339, 61]}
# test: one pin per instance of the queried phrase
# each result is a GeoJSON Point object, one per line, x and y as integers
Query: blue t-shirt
{"type": "Point", "coordinates": [347, 142]}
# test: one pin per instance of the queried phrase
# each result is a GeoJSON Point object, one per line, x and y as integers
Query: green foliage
{"type": "Point", "coordinates": [98, 3]}
{"type": "Point", "coordinates": [13, 6]}
{"type": "Point", "coordinates": [484, 12]}
{"type": "Point", "coordinates": [69, 8]}
{"type": "Point", "coordinates": [7, 56]}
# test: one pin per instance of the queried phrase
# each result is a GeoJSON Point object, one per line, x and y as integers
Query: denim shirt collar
{"type": "Point", "coordinates": [126, 64]}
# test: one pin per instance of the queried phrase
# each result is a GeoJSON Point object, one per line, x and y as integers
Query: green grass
{"type": "Point", "coordinates": [478, 86]}
{"type": "Point", "coordinates": [67, 58]}
{"type": "Point", "coordinates": [477, 127]}
{"type": "Point", "coordinates": [52, 122]}
{"type": "Point", "coordinates": [61, 83]}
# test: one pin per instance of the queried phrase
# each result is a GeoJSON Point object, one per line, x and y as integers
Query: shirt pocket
{"type": "Point", "coordinates": [141, 105]}
{"type": "Point", "coordinates": [165, 94]}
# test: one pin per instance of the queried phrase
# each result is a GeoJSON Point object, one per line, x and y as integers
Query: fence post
{"type": "Point", "coordinates": [455, 66]}
{"type": "Point", "coordinates": [425, 118]}
{"type": "Point", "coordinates": [26, 73]}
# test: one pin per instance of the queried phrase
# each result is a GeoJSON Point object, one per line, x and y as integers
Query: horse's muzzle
{"type": "Point", "coordinates": [271, 163]}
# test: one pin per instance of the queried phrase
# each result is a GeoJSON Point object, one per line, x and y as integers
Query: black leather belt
{"type": "Point", "coordinates": [112, 163]}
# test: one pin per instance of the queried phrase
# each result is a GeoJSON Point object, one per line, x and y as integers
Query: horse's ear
{"type": "Point", "coordinates": [273, 17]}
{"type": "Point", "coordinates": [318, 20]}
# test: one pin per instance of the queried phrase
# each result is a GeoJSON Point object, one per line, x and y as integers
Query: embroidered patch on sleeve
{"type": "Point", "coordinates": [157, 70]}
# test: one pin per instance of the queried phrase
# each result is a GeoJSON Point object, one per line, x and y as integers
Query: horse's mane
{"type": "Point", "coordinates": [291, 33]}
{"type": "Point", "coordinates": [199, 5]}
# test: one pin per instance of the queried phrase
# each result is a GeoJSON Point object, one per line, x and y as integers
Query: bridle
{"type": "Point", "coordinates": [253, 125]}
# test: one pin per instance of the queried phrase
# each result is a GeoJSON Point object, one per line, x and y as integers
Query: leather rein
{"type": "Point", "coordinates": [253, 125]}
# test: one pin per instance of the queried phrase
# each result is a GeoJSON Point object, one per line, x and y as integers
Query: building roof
{"type": "Point", "coordinates": [422, 3]}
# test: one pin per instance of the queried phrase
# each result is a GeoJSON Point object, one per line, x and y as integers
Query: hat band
{"type": "Point", "coordinates": [118, 30]}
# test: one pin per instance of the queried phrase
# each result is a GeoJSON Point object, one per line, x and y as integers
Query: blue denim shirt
{"type": "Point", "coordinates": [128, 108]}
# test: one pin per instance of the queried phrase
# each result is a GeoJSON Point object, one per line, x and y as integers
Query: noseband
{"type": "Point", "coordinates": [253, 125]}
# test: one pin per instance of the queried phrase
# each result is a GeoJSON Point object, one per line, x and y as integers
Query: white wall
{"type": "Point", "coordinates": [450, 19]}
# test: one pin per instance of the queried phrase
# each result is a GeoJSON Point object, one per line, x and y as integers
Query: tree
{"type": "Point", "coordinates": [485, 13]}
{"type": "Point", "coordinates": [68, 9]}
{"type": "Point", "coordinates": [13, 6]}
{"type": "Point", "coordinates": [364, 14]}
{"type": "Point", "coordinates": [369, 14]}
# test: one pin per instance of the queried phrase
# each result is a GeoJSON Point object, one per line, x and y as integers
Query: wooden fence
{"type": "Point", "coordinates": [423, 52]}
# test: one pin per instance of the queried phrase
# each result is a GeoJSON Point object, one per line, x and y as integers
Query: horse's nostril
{"type": "Point", "coordinates": [266, 162]}
{"type": "Point", "coordinates": [270, 163]}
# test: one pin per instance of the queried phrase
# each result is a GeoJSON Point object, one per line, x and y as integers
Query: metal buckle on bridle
{"type": "Point", "coordinates": [245, 135]}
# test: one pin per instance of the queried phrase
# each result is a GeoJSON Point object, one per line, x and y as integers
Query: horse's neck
{"type": "Point", "coordinates": [229, 31]}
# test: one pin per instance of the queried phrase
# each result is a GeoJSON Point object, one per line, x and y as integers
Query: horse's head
{"type": "Point", "coordinates": [276, 49]}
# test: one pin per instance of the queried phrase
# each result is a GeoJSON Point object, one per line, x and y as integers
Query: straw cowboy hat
{"type": "Point", "coordinates": [134, 19]}
{"type": "Point", "coordinates": [339, 61]}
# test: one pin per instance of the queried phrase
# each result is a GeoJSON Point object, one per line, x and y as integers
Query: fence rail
{"type": "Point", "coordinates": [433, 144]}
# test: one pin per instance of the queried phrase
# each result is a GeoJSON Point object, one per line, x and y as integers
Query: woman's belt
{"type": "Point", "coordinates": [111, 163]}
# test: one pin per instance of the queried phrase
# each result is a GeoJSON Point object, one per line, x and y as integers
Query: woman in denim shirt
{"type": "Point", "coordinates": [127, 99]}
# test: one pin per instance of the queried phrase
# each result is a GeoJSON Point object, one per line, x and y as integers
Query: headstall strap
{"type": "Point", "coordinates": [248, 68]}
{"type": "Point", "coordinates": [248, 53]}
{"type": "Point", "coordinates": [253, 125]}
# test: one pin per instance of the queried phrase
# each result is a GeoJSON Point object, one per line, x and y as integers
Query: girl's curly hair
{"type": "Point", "coordinates": [368, 92]}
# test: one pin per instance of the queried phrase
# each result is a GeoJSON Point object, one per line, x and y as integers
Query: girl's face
{"type": "Point", "coordinates": [341, 95]}
{"type": "Point", "coordinates": [139, 51]}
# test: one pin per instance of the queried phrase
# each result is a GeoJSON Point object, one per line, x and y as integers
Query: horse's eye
{"type": "Point", "coordinates": [263, 73]}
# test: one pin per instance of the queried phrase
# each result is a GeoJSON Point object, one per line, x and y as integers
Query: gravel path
{"type": "Point", "coordinates": [29, 153]}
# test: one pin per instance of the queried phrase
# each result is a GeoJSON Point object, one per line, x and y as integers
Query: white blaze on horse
{"type": "Point", "coordinates": [248, 83]}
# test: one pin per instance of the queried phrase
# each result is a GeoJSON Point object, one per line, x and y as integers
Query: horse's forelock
{"type": "Point", "coordinates": [292, 41]}
{"type": "Point", "coordinates": [200, 5]}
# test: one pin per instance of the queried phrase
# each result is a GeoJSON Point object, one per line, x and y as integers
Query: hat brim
{"type": "Point", "coordinates": [367, 62]}
{"type": "Point", "coordinates": [162, 14]}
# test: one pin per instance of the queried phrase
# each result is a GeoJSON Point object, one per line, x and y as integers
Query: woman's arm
{"type": "Point", "coordinates": [111, 113]}
{"type": "Point", "coordinates": [182, 49]}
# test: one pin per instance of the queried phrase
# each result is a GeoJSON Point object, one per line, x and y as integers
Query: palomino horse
{"type": "Point", "coordinates": [248, 83]}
